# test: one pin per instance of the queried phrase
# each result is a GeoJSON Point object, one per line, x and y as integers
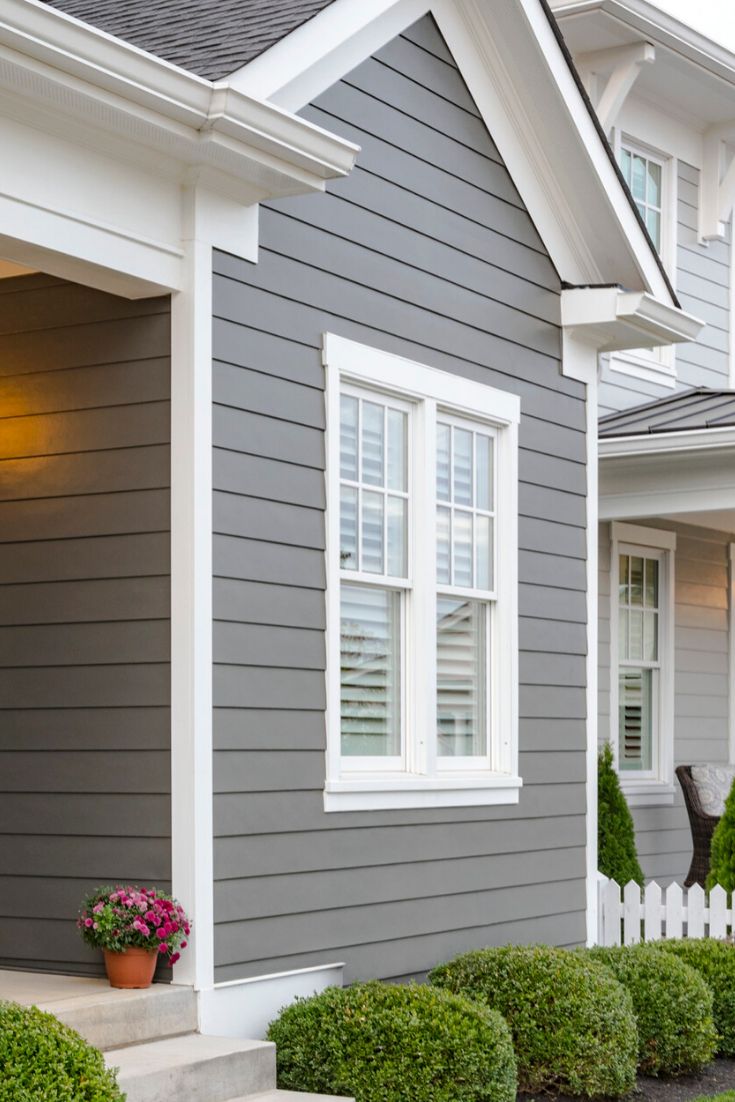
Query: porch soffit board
{"type": "Point", "coordinates": [612, 319]}
{"type": "Point", "coordinates": [516, 70]}
{"type": "Point", "coordinates": [100, 101]}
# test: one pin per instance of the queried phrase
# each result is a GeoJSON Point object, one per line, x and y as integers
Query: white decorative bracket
{"type": "Point", "coordinates": [717, 182]}
{"type": "Point", "coordinates": [623, 64]}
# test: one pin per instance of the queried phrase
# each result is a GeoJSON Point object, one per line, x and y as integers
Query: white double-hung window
{"type": "Point", "coordinates": [421, 585]}
{"type": "Point", "coordinates": [642, 677]}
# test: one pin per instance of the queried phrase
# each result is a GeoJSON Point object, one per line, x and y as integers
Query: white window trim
{"type": "Point", "coordinates": [660, 365]}
{"type": "Point", "coordinates": [347, 361]}
{"type": "Point", "coordinates": [633, 537]}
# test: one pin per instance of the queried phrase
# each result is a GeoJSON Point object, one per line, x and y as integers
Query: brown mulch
{"type": "Point", "coordinates": [716, 1077]}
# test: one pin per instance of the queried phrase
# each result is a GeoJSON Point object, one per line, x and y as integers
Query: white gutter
{"type": "Point", "coordinates": [160, 104]}
{"type": "Point", "coordinates": [613, 319]}
{"type": "Point", "coordinates": [662, 443]}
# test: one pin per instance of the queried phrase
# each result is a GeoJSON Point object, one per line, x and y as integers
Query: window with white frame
{"type": "Point", "coordinates": [644, 175]}
{"type": "Point", "coordinates": [651, 178]}
{"type": "Point", "coordinates": [642, 646]}
{"type": "Point", "coordinates": [422, 603]}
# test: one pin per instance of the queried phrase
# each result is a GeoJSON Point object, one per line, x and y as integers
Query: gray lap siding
{"type": "Point", "coordinates": [427, 251]}
{"type": "Point", "coordinates": [84, 608]}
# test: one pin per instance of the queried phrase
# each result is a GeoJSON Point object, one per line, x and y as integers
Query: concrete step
{"type": "Point", "coordinates": [110, 1018]}
{"type": "Point", "coordinates": [195, 1069]}
{"type": "Point", "coordinates": [290, 1096]}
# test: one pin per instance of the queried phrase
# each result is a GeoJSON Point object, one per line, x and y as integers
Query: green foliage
{"type": "Point", "coordinates": [715, 962]}
{"type": "Point", "coordinates": [379, 1042]}
{"type": "Point", "coordinates": [617, 857]}
{"type": "Point", "coordinates": [728, 1096]}
{"type": "Point", "coordinates": [722, 852]}
{"type": "Point", "coordinates": [672, 1005]}
{"type": "Point", "coordinates": [42, 1059]}
{"type": "Point", "coordinates": [572, 1023]}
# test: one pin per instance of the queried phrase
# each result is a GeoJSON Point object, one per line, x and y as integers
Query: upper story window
{"type": "Point", "coordinates": [642, 673]}
{"type": "Point", "coordinates": [644, 176]}
{"type": "Point", "coordinates": [651, 177]}
{"type": "Point", "coordinates": [422, 602]}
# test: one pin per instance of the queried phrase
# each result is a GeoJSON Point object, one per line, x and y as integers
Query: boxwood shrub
{"type": "Point", "coordinates": [715, 962]}
{"type": "Point", "coordinates": [380, 1042]}
{"type": "Point", "coordinates": [672, 1006]}
{"type": "Point", "coordinates": [572, 1022]}
{"type": "Point", "coordinates": [44, 1059]}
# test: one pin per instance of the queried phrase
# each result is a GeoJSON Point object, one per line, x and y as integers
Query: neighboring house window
{"type": "Point", "coordinates": [422, 585]}
{"type": "Point", "coordinates": [651, 178]}
{"type": "Point", "coordinates": [644, 176]}
{"type": "Point", "coordinates": [642, 675]}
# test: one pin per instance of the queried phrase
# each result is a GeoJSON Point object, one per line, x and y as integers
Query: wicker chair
{"type": "Point", "coordinates": [702, 826]}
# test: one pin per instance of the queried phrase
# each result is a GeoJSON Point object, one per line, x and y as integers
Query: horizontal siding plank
{"type": "Point", "coordinates": [123, 728]}
{"type": "Point", "coordinates": [77, 686]}
{"type": "Point", "coordinates": [85, 644]}
{"type": "Point", "coordinates": [130, 426]}
{"type": "Point", "coordinates": [113, 814]}
{"type": "Point", "coordinates": [262, 603]}
{"type": "Point", "coordinates": [123, 513]}
{"type": "Point", "coordinates": [85, 601]}
{"type": "Point", "coordinates": [85, 388]}
{"type": "Point", "coordinates": [258, 561]}
{"type": "Point", "coordinates": [83, 343]}
{"type": "Point", "coordinates": [274, 521]}
{"type": "Point", "coordinates": [67, 559]}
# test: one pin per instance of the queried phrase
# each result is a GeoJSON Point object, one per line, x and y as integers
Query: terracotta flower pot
{"type": "Point", "coordinates": [131, 968]}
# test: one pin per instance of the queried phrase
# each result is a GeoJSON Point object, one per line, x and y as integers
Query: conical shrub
{"type": "Point", "coordinates": [616, 852]}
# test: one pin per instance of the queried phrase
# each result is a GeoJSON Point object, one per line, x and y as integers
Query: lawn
{"type": "Point", "coordinates": [728, 1096]}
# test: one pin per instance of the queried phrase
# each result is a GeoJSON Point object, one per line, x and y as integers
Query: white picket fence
{"type": "Point", "coordinates": [627, 916]}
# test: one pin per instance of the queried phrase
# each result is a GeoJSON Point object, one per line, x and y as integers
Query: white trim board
{"type": "Point", "coordinates": [245, 1008]}
{"type": "Point", "coordinates": [521, 82]}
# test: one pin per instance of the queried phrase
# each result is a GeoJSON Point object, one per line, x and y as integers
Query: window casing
{"type": "Point", "coordinates": [651, 178]}
{"type": "Point", "coordinates": [642, 660]}
{"type": "Point", "coordinates": [421, 585]}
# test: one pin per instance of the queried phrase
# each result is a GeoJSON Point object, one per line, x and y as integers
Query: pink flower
{"type": "Point", "coordinates": [98, 907]}
{"type": "Point", "coordinates": [88, 923]}
{"type": "Point", "coordinates": [162, 948]}
{"type": "Point", "coordinates": [161, 932]}
{"type": "Point", "coordinates": [183, 945]}
{"type": "Point", "coordinates": [174, 958]}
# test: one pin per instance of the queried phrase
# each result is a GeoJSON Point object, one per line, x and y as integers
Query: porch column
{"type": "Point", "coordinates": [191, 597]}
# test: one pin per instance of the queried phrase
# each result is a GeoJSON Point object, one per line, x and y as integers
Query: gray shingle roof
{"type": "Point", "coordinates": [211, 38]}
{"type": "Point", "coordinates": [690, 411]}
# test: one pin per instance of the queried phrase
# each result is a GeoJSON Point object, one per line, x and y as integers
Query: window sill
{"type": "Point", "coordinates": [383, 794]}
{"type": "Point", "coordinates": [664, 374]}
{"type": "Point", "coordinates": [648, 793]}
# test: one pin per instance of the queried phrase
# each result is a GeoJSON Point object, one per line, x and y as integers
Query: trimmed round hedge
{"type": "Point", "coordinates": [42, 1058]}
{"type": "Point", "coordinates": [572, 1023]}
{"type": "Point", "coordinates": [380, 1042]}
{"type": "Point", "coordinates": [672, 1006]}
{"type": "Point", "coordinates": [715, 962]}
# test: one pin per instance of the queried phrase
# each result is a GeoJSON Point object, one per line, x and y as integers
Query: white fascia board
{"type": "Point", "coordinates": [613, 319]}
{"type": "Point", "coordinates": [667, 443]}
{"type": "Point", "coordinates": [660, 483]}
{"type": "Point", "coordinates": [513, 64]}
{"type": "Point", "coordinates": [76, 71]}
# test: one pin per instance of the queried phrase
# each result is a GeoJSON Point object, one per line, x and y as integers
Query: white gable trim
{"type": "Point", "coordinates": [521, 81]}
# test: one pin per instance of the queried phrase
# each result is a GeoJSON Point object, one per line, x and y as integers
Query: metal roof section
{"type": "Point", "coordinates": [693, 410]}
{"type": "Point", "coordinates": [211, 38]}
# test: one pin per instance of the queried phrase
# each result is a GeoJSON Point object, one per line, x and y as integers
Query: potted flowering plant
{"type": "Point", "coordinates": [133, 927]}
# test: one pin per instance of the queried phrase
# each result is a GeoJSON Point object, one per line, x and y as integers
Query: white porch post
{"type": "Point", "coordinates": [191, 598]}
{"type": "Point", "coordinates": [580, 361]}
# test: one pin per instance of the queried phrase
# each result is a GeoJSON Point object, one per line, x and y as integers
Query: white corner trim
{"type": "Point", "coordinates": [191, 604]}
{"type": "Point", "coordinates": [731, 610]}
{"type": "Point", "coordinates": [580, 361]}
{"type": "Point", "coordinates": [614, 319]}
{"type": "Point", "coordinates": [646, 537]}
{"type": "Point", "coordinates": [245, 1008]}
